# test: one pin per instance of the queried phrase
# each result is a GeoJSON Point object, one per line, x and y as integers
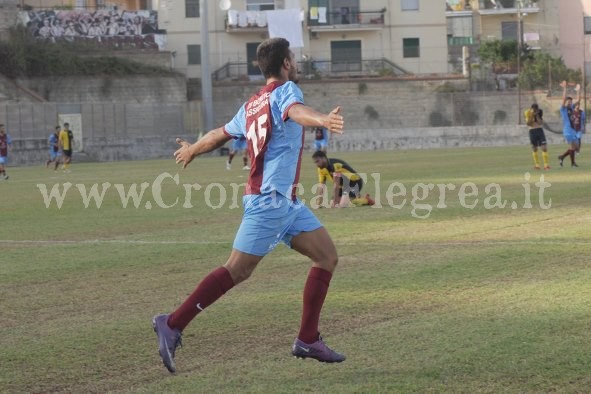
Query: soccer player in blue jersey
{"type": "Point", "coordinates": [238, 145]}
{"type": "Point", "coordinates": [5, 147]}
{"type": "Point", "coordinates": [568, 130]}
{"type": "Point", "coordinates": [320, 139]}
{"type": "Point", "coordinates": [273, 122]}
{"type": "Point", "coordinates": [54, 148]}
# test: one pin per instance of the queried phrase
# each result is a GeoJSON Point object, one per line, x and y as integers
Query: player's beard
{"type": "Point", "coordinates": [293, 75]}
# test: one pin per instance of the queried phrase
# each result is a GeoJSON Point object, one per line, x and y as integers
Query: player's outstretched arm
{"type": "Point", "coordinates": [563, 86]}
{"type": "Point", "coordinates": [578, 90]}
{"type": "Point", "coordinates": [210, 141]}
{"type": "Point", "coordinates": [309, 117]}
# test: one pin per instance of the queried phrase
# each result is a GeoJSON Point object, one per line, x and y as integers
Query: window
{"type": "Point", "coordinates": [192, 8]}
{"type": "Point", "coordinates": [587, 24]}
{"type": "Point", "coordinates": [260, 5]}
{"type": "Point", "coordinates": [194, 52]}
{"type": "Point", "coordinates": [410, 47]}
{"type": "Point", "coordinates": [345, 55]}
{"type": "Point", "coordinates": [509, 31]}
{"type": "Point", "coordinates": [409, 5]}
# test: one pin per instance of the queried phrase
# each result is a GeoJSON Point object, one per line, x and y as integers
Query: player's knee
{"type": "Point", "coordinates": [239, 272]}
{"type": "Point", "coordinates": [329, 262]}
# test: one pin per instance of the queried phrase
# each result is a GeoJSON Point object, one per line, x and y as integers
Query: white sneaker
{"type": "Point", "coordinates": [246, 168]}
{"type": "Point", "coordinates": [228, 166]}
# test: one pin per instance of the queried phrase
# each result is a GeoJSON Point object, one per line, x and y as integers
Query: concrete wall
{"type": "Point", "coordinates": [35, 151]}
{"type": "Point", "coordinates": [109, 131]}
{"type": "Point", "coordinates": [138, 147]}
{"type": "Point", "coordinates": [388, 104]}
{"type": "Point", "coordinates": [433, 137]}
{"type": "Point", "coordinates": [144, 89]}
{"type": "Point", "coordinates": [379, 116]}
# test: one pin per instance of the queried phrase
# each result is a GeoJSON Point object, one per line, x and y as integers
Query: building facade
{"type": "Point", "coordinates": [338, 35]}
{"type": "Point", "coordinates": [575, 30]}
{"type": "Point", "coordinates": [559, 27]}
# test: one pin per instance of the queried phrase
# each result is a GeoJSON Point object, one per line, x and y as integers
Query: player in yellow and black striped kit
{"type": "Point", "coordinates": [347, 183]}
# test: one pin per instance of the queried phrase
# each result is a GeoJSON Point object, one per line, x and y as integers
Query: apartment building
{"type": "Point", "coordinates": [338, 35]}
{"type": "Point", "coordinates": [575, 33]}
{"type": "Point", "coordinates": [556, 26]}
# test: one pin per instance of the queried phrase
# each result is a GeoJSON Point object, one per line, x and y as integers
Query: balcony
{"type": "Point", "coordinates": [322, 20]}
{"type": "Point", "coordinates": [243, 21]}
{"type": "Point", "coordinates": [321, 69]}
{"type": "Point", "coordinates": [458, 8]}
{"type": "Point", "coordinates": [503, 7]}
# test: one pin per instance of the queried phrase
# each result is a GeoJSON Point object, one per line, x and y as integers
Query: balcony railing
{"type": "Point", "coordinates": [319, 69]}
{"type": "Point", "coordinates": [245, 20]}
{"type": "Point", "coordinates": [496, 7]}
{"type": "Point", "coordinates": [344, 16]}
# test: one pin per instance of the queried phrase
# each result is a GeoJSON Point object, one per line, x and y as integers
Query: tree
{"type": "Point", "coordinates": [543, 68]}
{"type": "Point", "coordinates": [503, 51]}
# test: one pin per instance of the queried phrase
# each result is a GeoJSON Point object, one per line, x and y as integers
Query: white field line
{"type": "Point", "coordinates": [390, 244]}
{"type": "Point", "coordinates": [106, 241]}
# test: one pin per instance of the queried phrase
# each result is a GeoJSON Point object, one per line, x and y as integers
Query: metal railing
{"type": "Point", "coordinates": [319, 69]}
{"type": "Point", "coordinates": [344, 16]}
{"type": "Point", "coordinates": [500, 4]}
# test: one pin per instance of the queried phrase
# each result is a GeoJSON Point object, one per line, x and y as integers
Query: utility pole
{"type": "Point", "coordinates": [519, 40]}
{"type": "Point", "coordinates": [206, 90]}
{"type": "Point", "coordinates": [584, 64]}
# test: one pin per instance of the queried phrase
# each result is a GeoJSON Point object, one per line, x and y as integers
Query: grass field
{"type": "Point", "coordinates": [464, 300]}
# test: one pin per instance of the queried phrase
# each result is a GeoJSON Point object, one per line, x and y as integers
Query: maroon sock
{"type": "Point", "coordinates": [571, 153]}
{"type": "Point", "coordinates": [314, 295]}
{"type": "Point", "coordinates": [212, 287]}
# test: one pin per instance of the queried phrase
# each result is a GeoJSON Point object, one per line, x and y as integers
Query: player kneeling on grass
{"type": "Point", "coordinates": [271, 120]}
{"type": "Point", "coordinates": [347, 183]}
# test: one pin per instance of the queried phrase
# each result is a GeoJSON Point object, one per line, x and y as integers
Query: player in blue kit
{"type": "Point", "coordinates": [273, 122]}
{"type": "Point", "coordinates": [320, 139]}
{"type": "Point", "coordinates": [54, 148]}
{"type": "Point", "coordinates": [238, 145]}
{"type": "Point", "coordinates": [568, 130]}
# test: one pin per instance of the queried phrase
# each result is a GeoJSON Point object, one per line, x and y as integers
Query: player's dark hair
{"type": "Point", "coordinates": [57, 127]}
{"type": "Point", "coordinates": [319, 154]}
{"type": "Point", "coordinates": [534, 106]}
{"type": "Point", "coordinates": [66, 124]}
{"type": "Point", "coordinates": [569, 98]}
{"type": "Point", "coordinates": [270, 55]}
{"type": "Point", "coordinates": [1, 124]}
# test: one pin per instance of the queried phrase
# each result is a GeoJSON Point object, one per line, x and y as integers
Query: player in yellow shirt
{"type": "Point", "coordinates": [66, 142]}
{"type": "Point", "coordinates": [535, 121]}
{"type": "Point", "coordinates": [347, 183]}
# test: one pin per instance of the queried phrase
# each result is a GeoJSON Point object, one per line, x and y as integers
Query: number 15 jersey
{"type": "Point", "coordinates": [275, 142]}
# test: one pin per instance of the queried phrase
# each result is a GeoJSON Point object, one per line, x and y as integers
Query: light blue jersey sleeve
{"type": "Point", "coordinates": [236, 128]}
{"type": "Point", "coordinates": [288, 94]}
